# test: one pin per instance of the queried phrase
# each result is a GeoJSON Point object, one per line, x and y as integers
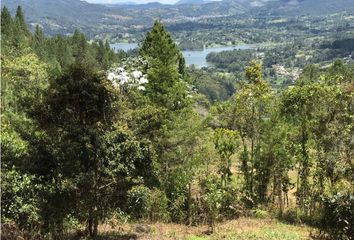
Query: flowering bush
{"type": "Point", "coordinates": [130, 73]}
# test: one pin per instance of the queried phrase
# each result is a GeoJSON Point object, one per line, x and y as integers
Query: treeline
{"type": "Point", "coordinates": [282, 63]}
{"type": "Point", "coordinates": [291, 55]}
{"type": "Point", "coordinates": [343, 44]}
{"type": "Point", "coordinates": [233, 61]}
{"type": "Point", "coordinates": [83, 142]}
{"type": "Point", "coordinates": [58, 52]}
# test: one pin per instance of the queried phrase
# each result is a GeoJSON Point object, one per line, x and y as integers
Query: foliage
{"type": "Point", "coordinates": [20, 199]}
{"type": "Point", "coordinates": [166, 87]}
{"type": "Point", "coordinates": [212, 199]}
{"type": "Point", "coordinates": [84, 140]}
{"type": "Point", "coordinates": [147, 203]}
{"type": "Point", "coordinates": [337, 219]}
{"type": "Point", "coordinates": [138, 201]}
{"type": "Point", "coordinates": [226, 145]}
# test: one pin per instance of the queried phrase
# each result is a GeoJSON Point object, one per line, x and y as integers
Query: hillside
{"type": "Point", "coordinates": [190, 2]}
{"type": "Point", "coordinates": [307, 7]}
{"type": "Point", "coordinates": [64, 16]}
{"type": "Point", "coordinates": [61, 16]}
{"type": "Point", "coordinates": [99, 143]}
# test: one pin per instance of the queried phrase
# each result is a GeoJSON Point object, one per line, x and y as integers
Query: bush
{"type": "Point", "coordinates": [230, 204]}
{"type": "Point", "coordinates": [157, 206]}
{"type": "Point", "coordinates": [20, 199]}
{"type": "Point", "coordinates": [338, 216]}
{"type": "Point", "coordinates": [138, 201]}
{"type": "Point", "coordinates": [259, 213]}
{"type": "Point", "coordinates": [146, 203]}
{"type": "Point", "coordinates": [290, 216]}
{"type": "Point", "coordinates": [211, 199]}
{"type": "Point", "coordinates": [178, 209]}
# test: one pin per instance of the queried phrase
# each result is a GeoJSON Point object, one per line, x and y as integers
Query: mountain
{"type": "Point", "coordinates": [58, 16]}
{"type": "Point", "coordinates": [97, 20]}
{"type": "Point", "coordinates": [64, 16]}
{"type": "Point", "coordinates": [132, 5]}
{"type": "Point", "coordinates": [306, 7]}
{"type": "Point", "coordinates": [120, 4]}
{"type": "Point", "coordinates": [190, 2]}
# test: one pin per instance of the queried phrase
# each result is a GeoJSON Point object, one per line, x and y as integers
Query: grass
{"type": "Point", "coordinates": [268, 231]}
{"type": "Point", "coordinates": [241, 229]}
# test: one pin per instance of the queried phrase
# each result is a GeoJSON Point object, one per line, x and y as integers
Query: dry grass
{"type": "Point", "coordinates": [243, 228]}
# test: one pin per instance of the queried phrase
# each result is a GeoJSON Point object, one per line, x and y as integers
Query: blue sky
{"type": "Point", "coordinates": [136, 1]}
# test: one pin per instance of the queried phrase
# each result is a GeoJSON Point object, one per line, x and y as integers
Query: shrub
{"type": "Point", "coordinates": [211, 199]}
{"type": "Point", "coordinates": [157, 206]}
{"type": "Point", "coordinates": [178, 209]}
{"type": "Point", "coordinates": [230, 204]}
{"type": "Point", "coordinates": [146, 203]}
{"type": "Point", "coordinates": [20, 199]}
{"type": "Point", "coordinates": [291, 216]}
{"type": "Point", "coordinates": [259, 213]}
{"type": "Point", "coordinates": [138, 204]}
{"type": "Point", "coordinates": [338, 216]}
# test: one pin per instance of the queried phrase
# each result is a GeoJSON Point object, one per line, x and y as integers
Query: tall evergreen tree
{"type": "Point", "coordinates": [38, 42]}
{"type": "Point", "coordinates": [21, 22]}
{"type": "Point", "coordinates": [159, 45]}
{"type": "Point", "coordinates": [166, 87]}
{"type": "Point", "coordinates": [6, 24]}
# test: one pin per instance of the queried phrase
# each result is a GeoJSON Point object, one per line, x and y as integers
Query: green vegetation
{"type": "Point", "coordinates": [94, 140]}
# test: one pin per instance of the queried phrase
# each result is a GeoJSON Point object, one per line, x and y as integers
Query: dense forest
{"type": "Point", "coordinates": [89, 136]}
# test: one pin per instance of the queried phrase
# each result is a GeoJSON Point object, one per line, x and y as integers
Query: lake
{"type": "Point", "coordinates": [197, 58]}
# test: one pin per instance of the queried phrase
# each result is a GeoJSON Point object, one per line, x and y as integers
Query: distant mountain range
{"type": "Point", "coordinates": [63, 16]}
{"type": "Point", "coordinates": [191, 2]}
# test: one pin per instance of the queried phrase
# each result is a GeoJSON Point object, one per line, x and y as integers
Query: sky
{"type": "Point", "coordinates": [136, 1]}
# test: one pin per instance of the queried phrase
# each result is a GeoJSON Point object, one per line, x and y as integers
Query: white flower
{"type": "Point", "coordinates": [123, 79]}
{"type": "Point", "coordinates": [143, 80]}
{"type": "Point", "coordinates": [129, 72]}
{"type": "Point", "coordinates": [142, 88]}
{"type": "Point", "coordinates": [137, 74]}
{"type": "Point", "coordinates": [111, 76]}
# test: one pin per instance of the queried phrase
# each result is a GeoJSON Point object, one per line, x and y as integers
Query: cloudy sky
{"type": "Point", "coordinates": [136, 1]}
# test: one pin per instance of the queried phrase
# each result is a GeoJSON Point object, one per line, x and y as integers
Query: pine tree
{"type": "Point", "coordinates": [21, 22]}
{"type": "Point", "coordinates": [38, 42]}
{"type": "Point", "coordinates": [165, 87]}
{"type": "Point", "coordinates": [82, 50]}
{"type": "Point", "coordinates": [6, 24]}
{"type": "Point", "coordinates": [159, 45]}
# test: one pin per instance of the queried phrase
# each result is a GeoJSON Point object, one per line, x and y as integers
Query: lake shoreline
{"type": "Point", "coordinates": [192, 57]}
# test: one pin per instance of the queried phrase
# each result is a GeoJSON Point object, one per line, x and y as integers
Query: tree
{"type": "Point", "coordinates": [225, 142]}
{"type": "Point", "coordinates": [77, 139]}
{"type": "Point", "coordinates": [7, 25]}
{"type": "Point", "coordinates": [247, 113]}
{"type": "Point", "coordinates": [159, 45]}
{"type": "Point", "coordinates": [82, 52]}
{"type": "Point", "coordinates": [21, 30]}
{"type": "Point", "coordinates": [304, 106]}
{"type": "Point", "coordinates": [276, 158]}
{"type": "Point", "coordinates": [38, 42]}
{"type": "Point", "coordinates": [166, 87]}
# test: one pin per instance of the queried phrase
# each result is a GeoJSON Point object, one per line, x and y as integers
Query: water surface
{"type": "Point", "coordinates": [196, 57]}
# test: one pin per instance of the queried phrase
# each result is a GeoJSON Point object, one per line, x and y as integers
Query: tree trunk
{"type": "Point", "coordinates": [280, 199]}
{"type": "Point", "coordinates": [189, 203]}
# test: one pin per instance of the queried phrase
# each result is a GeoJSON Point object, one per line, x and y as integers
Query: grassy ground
{"type": "Point", "coordinates": [241, 229]}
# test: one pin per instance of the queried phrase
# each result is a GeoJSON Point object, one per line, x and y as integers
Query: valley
{"type": "Point", "coordinates": [188, 120]}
